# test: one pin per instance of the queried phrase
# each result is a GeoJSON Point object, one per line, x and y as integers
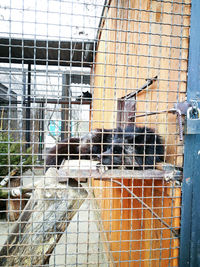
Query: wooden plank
{"type": "Point", "coordinates": [34, 237]}
{"type": "Point", "coordinates": [148, 39]}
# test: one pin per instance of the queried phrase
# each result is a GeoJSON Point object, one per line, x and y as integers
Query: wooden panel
{"type": "Point", "coordinates": [130, 52]}
{"type": "Point", "coordinates": [132, 231]}
{"type": "Point", "coordinates": [136, 44]}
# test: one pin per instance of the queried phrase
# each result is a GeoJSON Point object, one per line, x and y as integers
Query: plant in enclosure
{"type": "Point", "coordinates": [14, 157]}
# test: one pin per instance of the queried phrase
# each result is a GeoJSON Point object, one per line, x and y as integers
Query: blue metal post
{"type": "Point", "coordinates": [190, 219]}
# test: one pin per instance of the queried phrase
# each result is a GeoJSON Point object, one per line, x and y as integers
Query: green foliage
{"type": "Point", "coordinates": [14, 156]}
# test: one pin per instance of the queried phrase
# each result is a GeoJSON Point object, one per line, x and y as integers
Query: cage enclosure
{"type": "Point", "coordinates": [91, 131]}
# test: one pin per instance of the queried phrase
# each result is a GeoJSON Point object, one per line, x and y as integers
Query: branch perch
{"type": "Point", "coordinates": [43, 221]}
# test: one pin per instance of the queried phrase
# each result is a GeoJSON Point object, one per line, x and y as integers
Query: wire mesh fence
{"type": "Point", "coordinates": [91, 135]}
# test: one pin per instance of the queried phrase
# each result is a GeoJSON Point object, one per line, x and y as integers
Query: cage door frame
{"type": "Point", "coordinates": [190, 226]}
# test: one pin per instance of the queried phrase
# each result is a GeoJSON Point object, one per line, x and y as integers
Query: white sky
{"type": "Point", "coordinates": [50, 19]}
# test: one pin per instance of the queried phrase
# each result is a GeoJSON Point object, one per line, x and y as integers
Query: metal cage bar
{"type": "Point", "coordinates": [190, 227]}
{"type": "Point", "coordinates": [90, 149]}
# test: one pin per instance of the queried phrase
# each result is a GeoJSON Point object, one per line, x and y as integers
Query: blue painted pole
{"type": "Point", "coordinates": [190, 216]}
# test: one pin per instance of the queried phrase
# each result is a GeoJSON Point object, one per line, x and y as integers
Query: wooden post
{"type": "Point", "coordinates": [43, 221]}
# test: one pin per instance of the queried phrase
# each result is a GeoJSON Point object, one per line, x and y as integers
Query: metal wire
{"type": "Point", "coordinates": [76, 189]}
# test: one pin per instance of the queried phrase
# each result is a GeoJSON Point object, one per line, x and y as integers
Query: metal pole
{"type": "Point", "coordinates": [190, 219]}
{"type": "Point", "coordinates": [28, 110]}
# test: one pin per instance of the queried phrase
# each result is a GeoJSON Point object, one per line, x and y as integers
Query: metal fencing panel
{"type": "Point", "coordinates": [91, 131]}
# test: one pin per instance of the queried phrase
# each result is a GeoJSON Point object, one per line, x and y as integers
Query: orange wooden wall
{"type": "Point", "coordinates": [139, 40]}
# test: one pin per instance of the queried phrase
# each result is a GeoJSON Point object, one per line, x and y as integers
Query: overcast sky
{"type": "Point", "coordinates": [50, 19]}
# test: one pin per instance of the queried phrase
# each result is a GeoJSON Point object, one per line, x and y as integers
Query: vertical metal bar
{"type": "Point", "coordinates": [190, 226]}
{"type": "Point", "coordinates": [28, 110]}
{"type": "Point", "coordinates": [65, 107]}
{"type": "Point", "coordinates": [41, 131]}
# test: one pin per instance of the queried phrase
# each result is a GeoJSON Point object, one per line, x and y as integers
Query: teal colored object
{"type": "Point", "coordinates": [55, 128]}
